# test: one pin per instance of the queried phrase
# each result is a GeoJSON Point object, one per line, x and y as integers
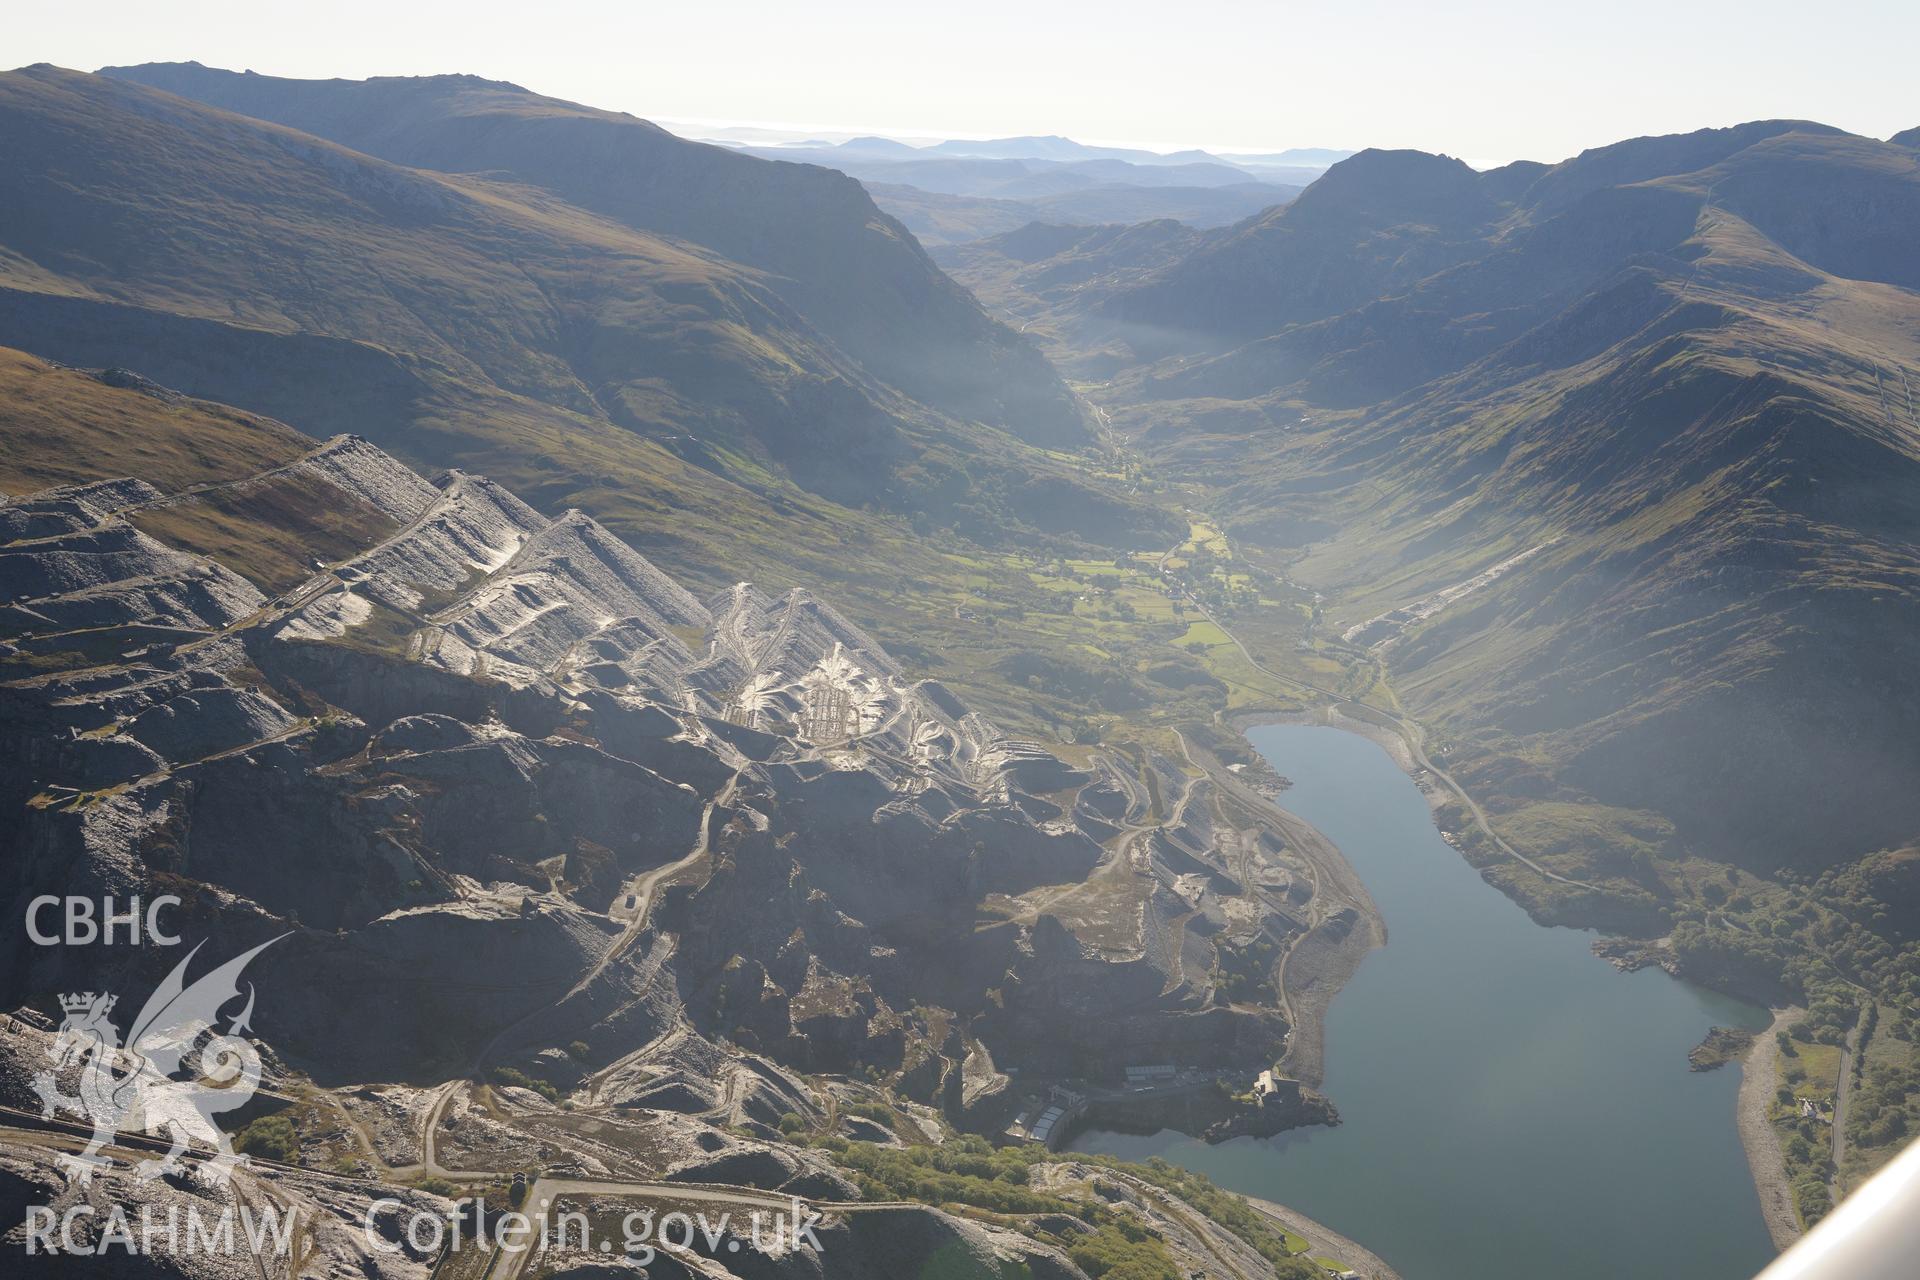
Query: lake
{"type": "Point", "coordinates": [1513, 1107]}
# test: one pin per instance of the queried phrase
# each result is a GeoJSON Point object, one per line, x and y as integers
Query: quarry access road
{"type": "Point", "coordinates": [643, 889]}
{"type": "Point", "coordinates": [56, 1134]}
{"type": "Point", "coordinates": [541, 1195]}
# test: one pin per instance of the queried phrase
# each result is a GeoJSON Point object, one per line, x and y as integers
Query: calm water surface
{"type": "Point", "coordinates": [1514, 1108]}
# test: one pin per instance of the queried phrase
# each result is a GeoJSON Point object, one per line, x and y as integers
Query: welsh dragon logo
{"type": "Point", "coordinates": [132, 1088]}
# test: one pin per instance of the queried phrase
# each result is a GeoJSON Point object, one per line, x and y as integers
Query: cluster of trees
{"type": "Point", "coordinates": [1828, 942]}
{"type": "Point", "coordinates": [878, 1112]}
{"type": "Point", "coordinates": [1826, 1022]}
{"type": "Point", "coordinates": [1121, 1249]}
{"type": "Point", "coordinates": [1869, 1023]}
{"type": "Point", "coordinates": [271, 1138]}
{"type": "Point", "coordinates": [1210, 579]}
{"type": "Point", "coordinates": [518, 1079]}
{"type": "Point", "coordinates": [1846, 944]}
{"type": "Point", "coordinates": [966, 1170]}
{"type": "Point", "coordinates": [1074, 679]}
{"type": "Point", "coordinates": [1812, 1197]}
{"type": "Point", "coordinates": [1245, 973]}
{"type": "Point", "coordinates": [1884, 1110]}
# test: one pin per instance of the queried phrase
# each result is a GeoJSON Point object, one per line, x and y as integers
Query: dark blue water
{"type": "Point", "coordinates": [1514, 1109]}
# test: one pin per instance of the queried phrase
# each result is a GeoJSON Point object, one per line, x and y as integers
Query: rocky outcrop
{"type": "Point", "coordinates": [70, 564]}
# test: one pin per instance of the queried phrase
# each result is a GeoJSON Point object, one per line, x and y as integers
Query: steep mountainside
{"type": "Point", "coordinates": [470, 321]}
{"type": "Point", "coordinates": [1609, 464]}
{"type": "Point", "coordinates": [1374, 223]}
{"type": "Point", "coordinates": [847, 268]}
{"type": "Point", "coordinates": [124, 198]}
{"type": "Point", "coordinates": [1719, 622]}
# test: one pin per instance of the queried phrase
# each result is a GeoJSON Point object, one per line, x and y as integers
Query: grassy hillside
{"type": "Point", "coordinates": [471, 322]}
{"type": "Point", "coordinates": [853, 273]}
{"type": "Point", "coordinates": [129, 197]}
{"type": "Point", "coordinates": [1715, 452]}
{"type": "Point", "coordinates": [1621, 498]}
{"type": "Point", "coordinates": [61, 426]}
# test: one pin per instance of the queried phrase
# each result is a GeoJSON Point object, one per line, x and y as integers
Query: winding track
{"type": "Point", "coordinates": [1410, 732]}
{"type": "Point", "coordinates": [1842, 1094]}
{"type": "Point", "coordinates": [544, 1191]}
{"type": "Point", "coordinates": [643, 888]}
{"type": "Point", "coordinates": [30, 1128]}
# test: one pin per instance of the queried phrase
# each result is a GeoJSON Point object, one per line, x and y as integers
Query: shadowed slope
{"type": "Point", "coordinates": [469, 321]}
{"type": "Point", "coordinates": [849, 269]}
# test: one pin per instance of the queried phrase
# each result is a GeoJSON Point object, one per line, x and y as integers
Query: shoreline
{"type": "Point", "coordinates": [1323, 959]}
{"type": "Point", "coordinates": [1325, 1240]}
{"type": "Point", "coordinates": [1322, 966]}
{"type": "Point", "coordinates": [1758, 1138]}
{"type": "Point", "coordinates": [1758, 1077]}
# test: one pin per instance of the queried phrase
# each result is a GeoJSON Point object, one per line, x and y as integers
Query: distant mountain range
{"type": "Point", "coordinates": [939, 221]}
{"type": "Point", "coordinates": [961, 190]}
{"type": "Point", "coordinates": [1049, 147]}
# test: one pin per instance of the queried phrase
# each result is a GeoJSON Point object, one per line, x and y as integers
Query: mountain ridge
{"type": "Point", "coordinates": [475, 321]}
{"type": "Point", "coordinates": [835, 257]}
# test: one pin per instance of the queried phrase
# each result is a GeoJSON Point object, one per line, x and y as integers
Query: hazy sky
{"type": "Point", "coordinates": [1486, 81]}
